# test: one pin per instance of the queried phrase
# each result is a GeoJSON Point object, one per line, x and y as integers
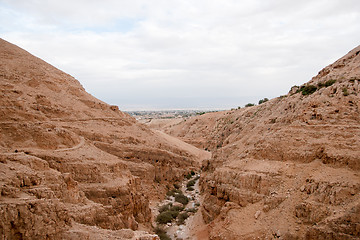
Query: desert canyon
{"type": "Point", "coordinates": [74, 167]}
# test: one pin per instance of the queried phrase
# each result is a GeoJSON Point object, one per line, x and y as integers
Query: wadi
{"type": "Point", "coordinates": [75, 167]}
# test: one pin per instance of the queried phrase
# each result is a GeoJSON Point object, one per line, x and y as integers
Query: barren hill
{"type": "Point", "coordinates": [72, 166]}
{"type": "Point", "coordinates": [287, 168]}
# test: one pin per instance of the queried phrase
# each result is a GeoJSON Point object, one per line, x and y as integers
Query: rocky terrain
{"type": "Point", "coordinates": [287, 168]}
{"type": "Point", "coordinates": [72, 166]}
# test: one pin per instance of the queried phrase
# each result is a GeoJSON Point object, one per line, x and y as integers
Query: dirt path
{"type": "Point", "coordinates": [199, 153]}
{"type": "Point", "coordinates": [81, 143]}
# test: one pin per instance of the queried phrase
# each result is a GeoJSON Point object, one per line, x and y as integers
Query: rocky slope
{"type": "Point", "coordinates": [72, 166]}
{"type": "Point", "coordinates": [287, 168]}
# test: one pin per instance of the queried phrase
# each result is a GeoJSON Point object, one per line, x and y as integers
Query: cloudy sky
{"type": "Point", "coordinates": [184, 54]}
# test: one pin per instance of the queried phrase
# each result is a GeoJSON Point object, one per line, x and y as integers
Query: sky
{"type": "Point", "coordinates": [184, 54]}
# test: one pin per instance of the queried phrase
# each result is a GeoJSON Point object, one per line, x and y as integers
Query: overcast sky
{"type": "Point", "coordinates": [181, 54]}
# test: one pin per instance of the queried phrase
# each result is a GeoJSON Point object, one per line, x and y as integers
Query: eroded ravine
{"type": "Point", "coordinates": [181, 220]}
{"type": "Point", "coordinates": [176, 214]}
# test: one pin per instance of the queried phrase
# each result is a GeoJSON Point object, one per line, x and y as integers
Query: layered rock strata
{"type": "Point", "coordinates": [289, 167]}
{"type": "Point", "coordinates": [70, 162]}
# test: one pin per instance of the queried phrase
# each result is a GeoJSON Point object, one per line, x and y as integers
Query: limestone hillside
{"type": "Point", "coordinates": [288, 168]}
{"type": "Point", "coordinates": [72, 166]}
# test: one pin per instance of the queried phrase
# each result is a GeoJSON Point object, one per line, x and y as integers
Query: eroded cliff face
{"type": "Point", "coordinates": [72, 166]}
{"type": "Point", "coordinates": [288, 168]}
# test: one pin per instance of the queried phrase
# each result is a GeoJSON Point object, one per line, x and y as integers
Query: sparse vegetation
{"type": "Point", "coordinates": [326, 84]}
{"type": "Point", "coordinates": [345, 91]}
{"type": "Point", "coordinates": [176, 208]}
{"type": "Point", "coordinates": [190, 183]}
{"type": "Point", "coordinates": [173, 192]}
{"type": "Point", "coordinates": [165, 208]}
{"type": "Point", "coordinates": [263, 100]}
{"type": "Point", "coordinates": [182, 217]}
{"type": "Point", "coordinates": [166, 217]}
{"type": "Point", "coordinates": [174, 212]}
{"type": "Point", "coordinates": [310, 89]}
{"type": "Point", "coordinates": [162, 234]}
{"type": "Point", "coordinates": [181, 198]}
{"type": "Point", "coordinates": [249, 105]}
{"type": "Point", "coordinates": [330, 82]}
{"type": "Point", "coordinates": [320, 85]}
{"type": "Point", "coordinates": [307, 90]}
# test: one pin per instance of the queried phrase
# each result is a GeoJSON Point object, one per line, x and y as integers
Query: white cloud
{"type": "Point", "coordinates": [196, 53]}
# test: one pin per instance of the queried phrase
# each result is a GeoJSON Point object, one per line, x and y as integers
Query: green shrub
{"type": "Point", "coordinates": [307, 90]}
{"type": "Point", "coordinates": [159, 230]}
{"type": "Point", "coordinates": [181, 199]}
{"type": "Point", "coordinates": [330, 82]}
{"type": "Point", "coordinates": [173, 213]}
{"type": "Point", "coordinates": [166, 217]}
{"type": "Point", "coordinates": [192, 172]}
{"type": "Point", "coordinates": [176, 208]}
{"type": "Point", "coordinates": [345, 91]}
{"type": "Point", "coordinates": [190, 183]}
{"type": "Point", "coordinates": [165, 208]}
{"type": "Point", "coordinates": [182, 217]}
{"type": "Point", "coordinates": [173, 192]}
{"type": "Point", "coordinates": [320, 85]}
{"type": "Point", "coordinates": [188, 176]}
{"type": "Point", "coordinates": [190, 188]}
{"type": "Point", "coordinates": [249, 105]}
{"type": "Point", "coordinates": [263, 100]}
{"type": "Point", "coordinates": [176, 186]}
{"type": "Point", "coordinates": [162, 234]}
{"type": "Point", "coordinates": [196, 178]}
{"type": "Point", "coordinates": [326, 84]}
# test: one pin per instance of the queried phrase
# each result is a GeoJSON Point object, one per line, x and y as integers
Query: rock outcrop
{"type": "Point", "coordinates": [289, 167]}
{"type": "Point", "coordinates": [71, 165]}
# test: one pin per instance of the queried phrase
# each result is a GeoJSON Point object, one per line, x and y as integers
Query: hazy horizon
{"type": "Point", "coordinates": [184, 54]}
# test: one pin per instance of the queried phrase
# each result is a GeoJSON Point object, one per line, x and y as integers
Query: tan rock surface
{"type": "Point", "coordinates": [292, 162]}
{"type": "Point", "coordinates": [70, 162]}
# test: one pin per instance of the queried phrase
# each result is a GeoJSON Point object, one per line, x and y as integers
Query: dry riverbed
{"type": "Point", "coordinates": [175, 215]}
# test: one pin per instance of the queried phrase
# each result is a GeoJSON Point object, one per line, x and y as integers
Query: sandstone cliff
{"type": "Point", "coordinates": [72, 166]}
{"type": "Point", "coordinates": [287, 168]}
